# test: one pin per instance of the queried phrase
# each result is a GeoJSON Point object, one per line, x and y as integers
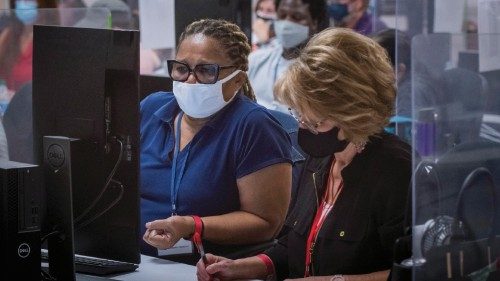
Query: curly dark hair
{"type": "Point", "coordinates": [231, 38]}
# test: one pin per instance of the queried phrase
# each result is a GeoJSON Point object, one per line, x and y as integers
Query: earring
{"type": "Point", "coordinates": [360, 146]}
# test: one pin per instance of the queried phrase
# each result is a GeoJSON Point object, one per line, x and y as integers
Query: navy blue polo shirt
{"type": "Point", "coordinates": [241, 139]}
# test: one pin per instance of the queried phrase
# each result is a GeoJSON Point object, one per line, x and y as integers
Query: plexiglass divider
{"type": "Point", "coordinates": [456, 137]}
{"type": "Point", "coordinates": [16, 57]}
{"type": "Point", "coordinates": [450, 93]}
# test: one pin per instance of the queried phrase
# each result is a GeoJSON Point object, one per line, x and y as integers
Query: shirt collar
{"type": "Point", "coordinates": [168, 111]}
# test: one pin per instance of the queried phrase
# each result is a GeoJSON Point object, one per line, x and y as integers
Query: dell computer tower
{"type": "Point", "coordinates": [20, 213]}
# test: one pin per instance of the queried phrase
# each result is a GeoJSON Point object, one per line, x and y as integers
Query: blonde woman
{"type": "Point", "coordinates": [349, 209]}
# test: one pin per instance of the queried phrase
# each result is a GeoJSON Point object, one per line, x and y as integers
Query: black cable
{"type": "Point", "coordinates": [474, 176]}
{"type": "Point", "coordinates": [111, 205]}
{"type": "Point", "coordinates": [45, 276]}
{"type": "Point", "coordinates": [108, 180]}
{"type": "Point", "coordinates": [49, 234]}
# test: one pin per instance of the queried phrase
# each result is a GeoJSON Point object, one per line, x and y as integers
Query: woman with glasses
{"type": "Point", "coordinates": [214, 164]}
{"type": "Point", "coordinates": [350, 205]}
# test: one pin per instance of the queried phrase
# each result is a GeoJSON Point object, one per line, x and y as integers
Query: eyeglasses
{"type": "Point", "coordinates": [313, 128]}
{"type": "Point", "coordinates": [203, 73]}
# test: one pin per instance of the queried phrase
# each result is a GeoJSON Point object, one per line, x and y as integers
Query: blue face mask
{"type": "Point", "coordinates": [338, 11]}
{"type": "Point", "coordinates": [26, 11]}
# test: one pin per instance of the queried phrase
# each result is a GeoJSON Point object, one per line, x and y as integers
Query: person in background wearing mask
{"type": "Point", "coordinates": [21, 72]}
{"type": "Point", "coordinates": [262, 27]}
{"type": "Point", "coordinates": [354, 14]}
{"type": "Point", "coordinates": [351, 200]}
{"type": "Point", "coordinates": [297, 20]}
{"type": "Point", "coordinates": [210, 155]}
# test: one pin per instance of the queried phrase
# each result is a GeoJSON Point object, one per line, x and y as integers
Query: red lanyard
{"type": "Point", "coordinates": [319, 218]}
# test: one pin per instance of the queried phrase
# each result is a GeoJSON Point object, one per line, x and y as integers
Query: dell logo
{"type": "Point", "coordinates": [24, 250]}
{"type": "Point", "coordinates": [55, 156]}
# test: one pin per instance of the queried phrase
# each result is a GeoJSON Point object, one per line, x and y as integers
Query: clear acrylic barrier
{"type": "Point", "coordinates": [16, 57]}
{"type": "Point", "coordinates": [456, 137]}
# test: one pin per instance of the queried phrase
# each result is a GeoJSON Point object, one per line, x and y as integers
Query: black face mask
{"type": "Point", "coordinates": [322, 144]}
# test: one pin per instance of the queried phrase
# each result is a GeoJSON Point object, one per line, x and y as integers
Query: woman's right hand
{"type": "Point", "coordinates": [217, 268]}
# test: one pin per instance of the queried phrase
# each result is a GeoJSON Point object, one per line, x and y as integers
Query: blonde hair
{"type": "Point", "coordinates": [231, 38]}
{"type": "Point", "coordinates": [345, 77]}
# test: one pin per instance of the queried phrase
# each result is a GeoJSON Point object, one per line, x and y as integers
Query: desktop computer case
{"type": "Point", "coordinates": [20, 213]}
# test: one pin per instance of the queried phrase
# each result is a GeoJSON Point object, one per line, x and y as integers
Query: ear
{"type": "Point", "coordinates": [230, 87]}
{"type": "Point", "coordinates": [239, 80]}
{"type": "Point", "coordinates": [313, 28]}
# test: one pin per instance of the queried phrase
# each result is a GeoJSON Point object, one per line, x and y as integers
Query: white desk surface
{"type": "Point", "coordinates": [154, 269]}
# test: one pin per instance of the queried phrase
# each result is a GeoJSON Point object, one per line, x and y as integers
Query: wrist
{"type": "Point", "coordinates": [188, 226]}
{"type": "Point", "coordinates": [249, 268]}
{"type": "Point", "coordinates": [196, 233]}
{"type": "Point", "coordinates": [268, 265]}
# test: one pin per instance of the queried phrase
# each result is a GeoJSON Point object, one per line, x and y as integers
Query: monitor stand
{"type": "Point", "coordinates": [57, 160]}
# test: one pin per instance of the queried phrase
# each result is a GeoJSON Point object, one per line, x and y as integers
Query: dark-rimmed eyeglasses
{"type": "Point", "coordinates": [203, 73]}
{"type": "Point", "coordinates": [312, 127]}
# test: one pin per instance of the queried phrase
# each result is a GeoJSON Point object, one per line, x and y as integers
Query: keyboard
{"type": "Point", "coordinates": [97, 266]}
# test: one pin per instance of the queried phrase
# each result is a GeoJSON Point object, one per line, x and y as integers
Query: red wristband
{"type": "Point", "coordinates": [268, 262]}
{"type": "Point", "coordinates": [198, 229]}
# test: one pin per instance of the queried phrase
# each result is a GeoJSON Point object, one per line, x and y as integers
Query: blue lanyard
{"type": "Point", "coordinates": [175, 180]}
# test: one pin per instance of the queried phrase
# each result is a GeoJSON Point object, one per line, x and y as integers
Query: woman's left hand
{"type": "Point", "coordinates": [163, 234]}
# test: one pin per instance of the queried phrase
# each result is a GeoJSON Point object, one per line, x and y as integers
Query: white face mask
{"type": "Point", "coordinates": [201, 100]}
{"type": "Point", "coordinates": [290, 34]}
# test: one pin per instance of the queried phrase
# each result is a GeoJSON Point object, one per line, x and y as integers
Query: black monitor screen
{"type": "Point", "coordinates": [86, 87]}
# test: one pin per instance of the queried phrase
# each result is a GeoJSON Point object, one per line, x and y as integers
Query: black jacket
{"type": "Point", "coordinates": [358, 235]}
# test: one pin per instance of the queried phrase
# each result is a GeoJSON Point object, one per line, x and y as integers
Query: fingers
{"type": "Point", "coordinates": [217, 267]}
{"type": "Point", "coordinates": [158, 224]}
{"type": "Point", "coordinates": [166, 232]}
{"type": "Point", "coordinates": [159, 238]}
{"type": "Point", "coordinates": [201, 272]}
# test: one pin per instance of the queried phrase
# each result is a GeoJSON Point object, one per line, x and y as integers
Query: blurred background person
{"type": "Point", "coordinates": [22, 69]}
{"type": "Point", "coordinates": [426, 94]}
{"type": "Point", "coordinates": [11, 31]}
{"type": "Point", "coordinates": [297, 21]}
{"type": "Point", "coordinates": [401, 65]}
{"type": "Point", "coordinates": [262, 27]}
{"type": "Point", "coordinates": [354, 14]}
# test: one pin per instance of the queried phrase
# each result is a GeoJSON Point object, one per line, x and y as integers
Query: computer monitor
{"type": "Point", "coordinates": [151, 84]}
{"type": "Point", "coordinates": [238, 12]}
{"type": "Point", "coordinates": [86, 94]}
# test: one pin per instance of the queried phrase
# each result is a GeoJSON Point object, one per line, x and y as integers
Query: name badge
{"type": "Point", "coordinates": [182, 247]}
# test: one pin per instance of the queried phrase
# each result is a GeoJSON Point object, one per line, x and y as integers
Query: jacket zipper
{"type": "Point", "coordinates": [315, 189]}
